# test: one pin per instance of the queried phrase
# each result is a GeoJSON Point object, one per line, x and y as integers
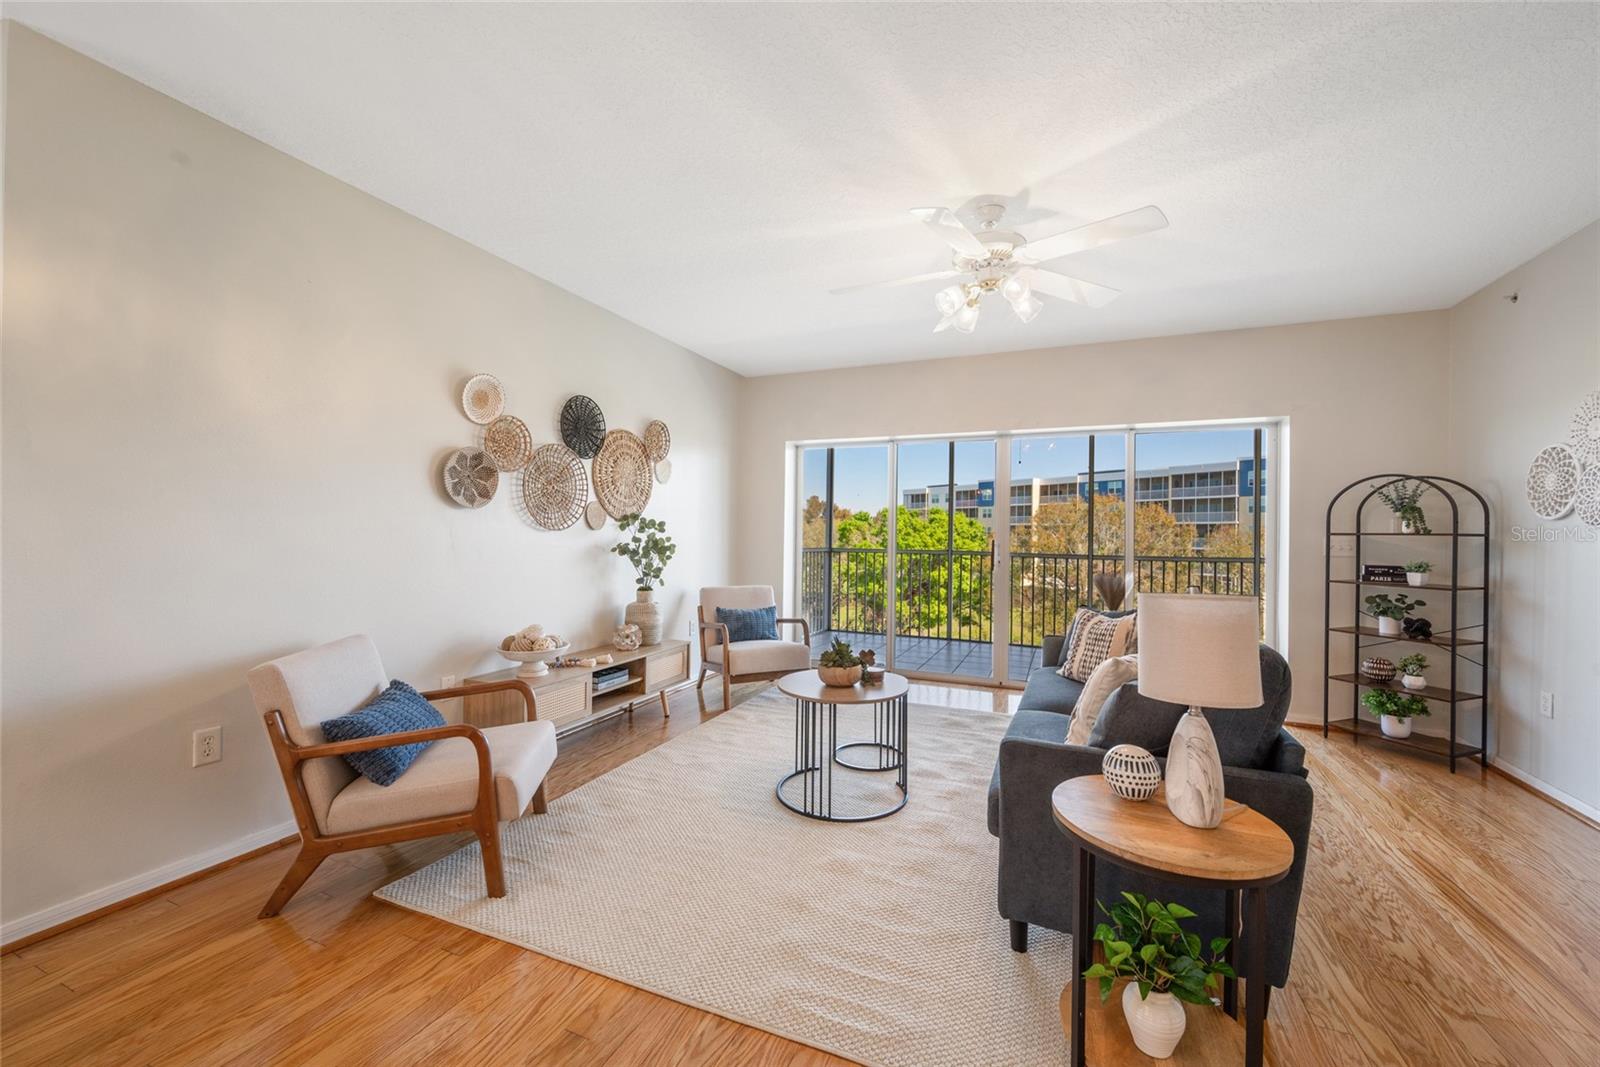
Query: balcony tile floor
{"type": "Point", "coordinates": [936, 655]}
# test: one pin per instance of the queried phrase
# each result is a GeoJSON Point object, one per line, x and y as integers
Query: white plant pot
{"type": "Point", "coordinates": [1388, 627]}
{"type": "Point", "coordinates": [1416, 577]}
{"type": "Point", "coordinates": [1406, 527]}
{"type": "Point", "coordinates": [1156, 1021]}
{"type": "Point", "coordinates": [1413, 681]}
{"type": "Point", "coordinates": [1393, 727]}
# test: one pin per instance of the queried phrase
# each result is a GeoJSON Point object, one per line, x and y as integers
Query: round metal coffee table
{"type": "Point", "coordinates": [817, 749]}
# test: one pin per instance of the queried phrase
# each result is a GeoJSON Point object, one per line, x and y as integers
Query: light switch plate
{"type": "Point", "coordinates": [1547, 704]}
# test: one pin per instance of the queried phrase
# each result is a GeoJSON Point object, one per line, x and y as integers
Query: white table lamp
{"type": "Point", "coordinates": [1200, 651]}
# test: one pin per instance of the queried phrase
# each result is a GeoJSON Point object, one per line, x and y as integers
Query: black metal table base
{"type": "Point", "coordinates": [816, 751]}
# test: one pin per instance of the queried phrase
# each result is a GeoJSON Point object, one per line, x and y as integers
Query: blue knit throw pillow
{"type": "Point", "coordinates": [395, 710]}
{"type": "Point", "coordinates": [750, 624]}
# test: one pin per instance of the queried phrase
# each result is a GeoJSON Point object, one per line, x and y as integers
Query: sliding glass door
{"type": "Point", "coordinates": [844, 519]}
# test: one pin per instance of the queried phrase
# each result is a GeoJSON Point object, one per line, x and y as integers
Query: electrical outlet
{"type": "Point", "coordinates": [447, 681]}
{"type": "Point", "coordinates": [207, 746]}
{"type": "Point", "coordinates": [1547, 705]}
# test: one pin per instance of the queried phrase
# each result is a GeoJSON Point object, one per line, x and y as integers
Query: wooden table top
{"type": "Point", "coordinates": [807, 685]}
{"type": "Point", "coordinates": [1248, 847]}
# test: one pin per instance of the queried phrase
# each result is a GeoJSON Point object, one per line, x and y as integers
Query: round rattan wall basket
{"type": "Point", "coordinates": [469, 478]}
{"type": "Point", "coordinates": [583, 426]}
{"type": "Point", "coordinates": [657, 441]}
{"type": "Point", "coordinates": [554, 487]}
{"type": "Point", "coordinates": [508, 443]}
{"type": "Point", "coordinates": [622, 474]}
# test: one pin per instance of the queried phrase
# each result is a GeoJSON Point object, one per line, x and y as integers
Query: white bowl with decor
{"type": "Point", "coordinates": [533, 663]}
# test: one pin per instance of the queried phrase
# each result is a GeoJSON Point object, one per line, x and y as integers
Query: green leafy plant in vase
{"type": "Point", "coordinates": [1404, 499]}
{"type": "Point", "coordinates": [1411, 668]}
{"type": "Point", "coordinates": [1394, 710]}
{"type": "Point", "coordinates": [1417, 572]}
{"type": "Point", "coordinates": [649, 550]}
{"type": "Point", "coordinates": [1163, 964]}
{"type": "Point", "coordinates": [839, 665]}
{"type": "Point", "coordinates": [1389, 610]}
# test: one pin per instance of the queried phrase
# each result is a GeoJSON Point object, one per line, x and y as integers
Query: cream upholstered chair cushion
{"type": "Point", "coordinates": [444, 780]}
{"type": "Point", "coordinates": [713, 597]}
{"type": "Point", "coordinates": [758, 657]}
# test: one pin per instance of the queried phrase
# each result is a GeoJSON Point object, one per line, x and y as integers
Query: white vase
{"type": "Point", "coordinates": [1416, 577]}
{"type": "Point", "coordinates": [1388, 627]}
{"type": "Point", "coordinates": [1395, 727]}
{"type": "Point", "coordinates": [646, 615]}
{"type": "Point", "coordinates": [1413, 681]}
{"type": "Point", "coordinates": [1156, 1021]}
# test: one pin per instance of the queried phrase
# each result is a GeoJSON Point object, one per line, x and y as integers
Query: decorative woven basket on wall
{"type": "Point", "coordinates": [508, 443]}
{"type": "Point", "coordinates": [622, 474]}
{"type": "Point", "coordinates": [583, 426]}
{"type": "Point", "coordinates": [657, 441]}
{"type": "Point", "coordinates": [554, 487]}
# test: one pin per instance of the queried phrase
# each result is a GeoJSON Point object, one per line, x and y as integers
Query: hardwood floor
{"type": "Point", "coordinates": [1445, 921]}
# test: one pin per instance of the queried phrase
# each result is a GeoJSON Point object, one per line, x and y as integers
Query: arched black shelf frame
{"type": "Point", "coordinates": [1463, 646]}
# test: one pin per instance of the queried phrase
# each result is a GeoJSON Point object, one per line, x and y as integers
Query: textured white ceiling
{"type": "Point", "coordinates": [711, 171]}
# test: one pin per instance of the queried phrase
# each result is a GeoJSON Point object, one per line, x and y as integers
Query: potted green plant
{"type": "Point", "coordinates": [1403, 498]}
{"type": "Point", "coordinates": [1144, 944]}
{"type": "Point", "coordinates": [1389, 610]}
{"type": "Point", "coordinates": [1417, 572]}
{"type": "Point", "coordinates": [649, 550]}
{"type": "Point", "coordinates": [839, 665]}
{"type": "Point", "coordinates": [1394, 710]}
{"type": "Point", "coordinates": [1411, 668]}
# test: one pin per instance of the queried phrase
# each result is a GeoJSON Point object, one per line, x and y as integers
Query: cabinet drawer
{"type": "Point", "coordinates": [666, 668]}
{"type": "Point", "coordinates": [561, 704]}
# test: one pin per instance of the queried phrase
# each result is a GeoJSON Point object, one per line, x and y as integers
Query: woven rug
{"type": "Point", "coordinates": [680, 873]}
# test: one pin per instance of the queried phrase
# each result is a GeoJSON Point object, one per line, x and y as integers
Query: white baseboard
{"type": "Point", "coordinates": [130, 887]}
{"type": "Point", "coordinates": [1540, 786]}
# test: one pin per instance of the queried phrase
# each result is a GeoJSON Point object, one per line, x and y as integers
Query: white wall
{"type": "Point", "coordinates": [1517, 373]}
{"type": "Point", "coordinates": [228, 384]}
{"type": "Point", "coordinates": [1343, 386]}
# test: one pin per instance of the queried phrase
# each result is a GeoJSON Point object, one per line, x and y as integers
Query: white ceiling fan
{"type": "Point", "coordinates": [992, 259]}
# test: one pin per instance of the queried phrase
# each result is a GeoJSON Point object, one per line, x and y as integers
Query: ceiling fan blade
{"type": "Point", "coordinates": [943, 221]}
{"type": "Point", "coordinates": [914, 279]}
{"type": "Point", "coordinates": [1076, 290]}
{"type": "Point", "coordinates": [1128, 224]}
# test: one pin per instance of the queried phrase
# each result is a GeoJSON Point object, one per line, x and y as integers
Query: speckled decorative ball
{"type": "Point", "coordinates": [1378, 669]}
{"type": "Point", "coordinates": [1131, 772]}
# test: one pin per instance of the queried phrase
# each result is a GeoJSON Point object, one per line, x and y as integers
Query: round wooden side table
{"type": "Point", "coordinates": [816, 748]}
{"type": "Point", "coordinates": [1243, 856]}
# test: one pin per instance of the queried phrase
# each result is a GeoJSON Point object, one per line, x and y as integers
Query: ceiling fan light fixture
{"type": "Point", "coordinates": [1016, 289]}
{"type": "Point", "coordinates": [949, 299]}
{"type": "Point", "coordinates": [966, 320]}
{"type": "Point", "coordinates": [1028, 307]}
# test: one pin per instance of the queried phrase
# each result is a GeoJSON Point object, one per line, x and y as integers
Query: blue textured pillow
{"type": "Point", "coordinates": [395, 710]}
{"type": "Point", "coordinates": [750, 624]}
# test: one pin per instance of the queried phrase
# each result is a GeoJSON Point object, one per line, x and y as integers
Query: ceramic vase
{"type": "Point", "coordinates": [1413, 681]}
{"type": "Point", "coordinates": [645, 613]}
{"type": "Point", "coordinates": [1156, 1021]}
{"type": "Point", "coordinates": [1386, 627]}
{"type": "Point", "coordinates": [1395, 727]}
{"type": "Point", "coordinates": [1416, 577]}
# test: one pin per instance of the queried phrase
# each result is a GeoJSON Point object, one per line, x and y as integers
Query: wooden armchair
{"type": "Point", "coordinates": [467, 779]}
{"type": "Point", "coordinates": [746, 661]}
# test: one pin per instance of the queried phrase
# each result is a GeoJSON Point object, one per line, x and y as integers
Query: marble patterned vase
{"type": "Point", "coordinates": [645, 613]}
{"type": "Point", "coordinates": [1194, 773]}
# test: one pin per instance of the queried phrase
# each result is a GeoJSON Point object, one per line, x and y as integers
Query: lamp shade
{"type": "Point", "coordinates": [1199, 650]}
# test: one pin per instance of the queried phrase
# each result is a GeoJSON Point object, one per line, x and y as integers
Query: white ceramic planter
{"type": "Point", "coordinates": [1413, 681]}
{"type": "Point", "coordinates": [1156, 1021]}
{"type": "Point", "coordinates": [1388, 627]}
{"type": "Point", "coordinates": [1393, 727]}
{"type": "Point", "coordinates": [1416, 577]}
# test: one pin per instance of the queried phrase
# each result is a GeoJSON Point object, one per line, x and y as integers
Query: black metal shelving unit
{"type": "Point", "coordinates": [1469, 648]}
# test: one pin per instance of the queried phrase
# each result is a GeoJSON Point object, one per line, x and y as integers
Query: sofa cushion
{"type": "Point", "coordinates": [1066, 639]}
{"type": "Point", "coordinates": [762, 657]}
{"type": "Point", "coordinates": [1107, 678]}
{"type": "Point", "coordinates": [750, 624]}
{"type": "Point", "coordinates": [397, 709]}
{"type": "Point", "coordinates": [1048, 691]}
{"type": "Point", "coordinates": [444, 780]}
{"type": "Point", "coordinates": [1034, 725]}
{"type": "Point", "coordinates": [1095, 639]}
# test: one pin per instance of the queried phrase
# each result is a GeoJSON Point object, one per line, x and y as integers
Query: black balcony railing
{"type": "Point", "coordinates": [949, 594]}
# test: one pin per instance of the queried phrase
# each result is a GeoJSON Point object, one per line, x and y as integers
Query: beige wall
{"type": "Point", "coordinates": [1343, 386]}
{"type": "Point", "coordinates": [229, 381]}
{"type": "Point", "coordinates": [1517, 373]}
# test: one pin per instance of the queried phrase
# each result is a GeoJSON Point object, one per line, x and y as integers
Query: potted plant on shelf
{"type": "Point", "coordinates": [1411, 668]}
{"type": "Point", "coordinates": [839, 665]}
{"type": "Point", "coordinates": [1403, 499]}
{"type": "Point", "coordinates": [1163, 964]}
{"type": "Point", "coordinates": [649, 550]}
{"type": "Point", "coordinates": [1394, 710]}
{"type": "Point", "coordinates": [1417, 572]}
{"type": "Point", "coordinates": [1389, 610]}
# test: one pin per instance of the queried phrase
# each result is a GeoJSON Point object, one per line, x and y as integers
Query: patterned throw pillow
{"type": "Point", "coordinates": [1113, 674]}
{"type": "Point", "coordinates": [395, 710]}
{"type": "Point", "coordinates": [1095, 639]}
{"type": "Point", "coordinates": [750, 624]}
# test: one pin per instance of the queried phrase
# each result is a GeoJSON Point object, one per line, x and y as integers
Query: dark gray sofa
{"type": "Point", "coordinates": [1035, 882]}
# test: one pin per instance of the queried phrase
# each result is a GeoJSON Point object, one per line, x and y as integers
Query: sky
{"type": "Point", "coordinates": [861, 472]}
